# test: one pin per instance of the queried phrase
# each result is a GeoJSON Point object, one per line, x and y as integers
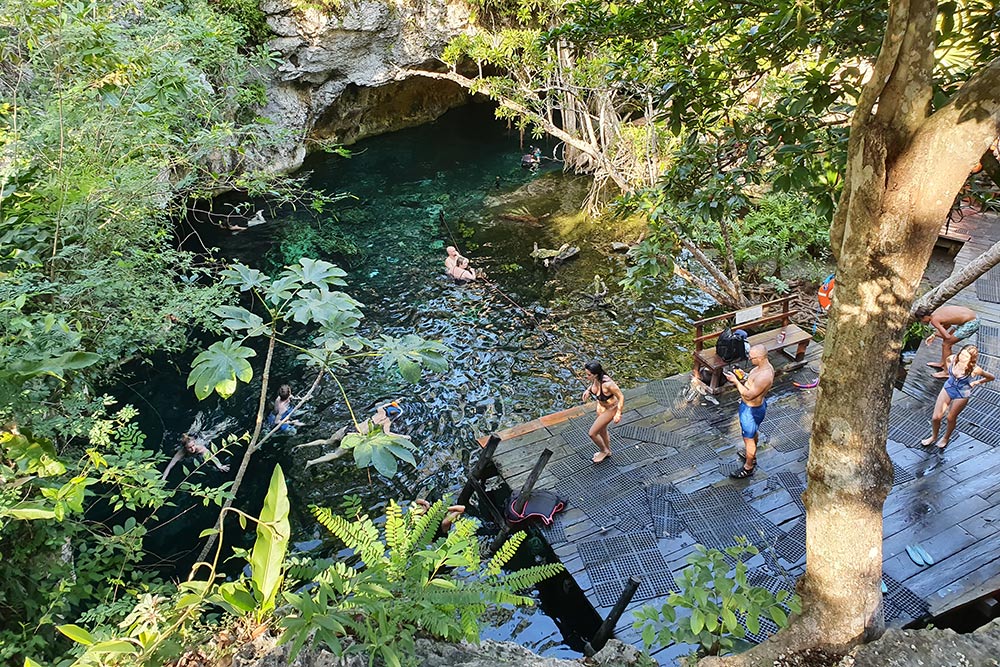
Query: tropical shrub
{"type": "Point", "coordinates": [409, 581]}
{"type": "Point", "coordinates": [717, 604]}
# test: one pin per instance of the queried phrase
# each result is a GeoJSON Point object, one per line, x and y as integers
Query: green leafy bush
{"type": "Point", "coordinates": [410, 581]}
{"type": "Point", "coordinates": [714, 601]}
{"type": "Point", "coordinates": [782, 231]}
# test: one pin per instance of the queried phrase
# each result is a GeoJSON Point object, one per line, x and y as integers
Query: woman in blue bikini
{"type": "Point", "coordinates": [954, 396]}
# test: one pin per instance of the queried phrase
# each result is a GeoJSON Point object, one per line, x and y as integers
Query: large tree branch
{"type": "Point", "coordinates": [905, 101]}
{"type": "Point", "coordinates": [735, 296]}
{"type": "Point", "coordinates": [959, 281]}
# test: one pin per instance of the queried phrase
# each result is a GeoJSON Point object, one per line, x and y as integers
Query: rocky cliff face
{"type": "Point", "coordinates": [336, 78]}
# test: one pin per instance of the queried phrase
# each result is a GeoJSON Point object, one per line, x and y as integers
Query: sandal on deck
{"type": "Point", "coordinates": [742, 472]}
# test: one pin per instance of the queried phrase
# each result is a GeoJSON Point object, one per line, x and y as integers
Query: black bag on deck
{"type": "Point", "coordinates": [731, 346]}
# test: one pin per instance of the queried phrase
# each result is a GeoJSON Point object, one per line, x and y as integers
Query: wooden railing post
{"type": "Point", "coordinates": [485, 457]}
{"type": "Point", "coordinates": [603, 633]}
{"type": "Point", "coordinates": [529, 484]}
{"type": "Point", "coordinates": [485, 502]}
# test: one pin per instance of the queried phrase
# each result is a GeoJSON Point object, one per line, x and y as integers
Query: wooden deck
{"type": "Point", "coordinates": [666, 487]}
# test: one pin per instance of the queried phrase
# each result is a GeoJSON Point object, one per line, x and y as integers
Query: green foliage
{"type": "Point", "coordinates": [411, 581]}
{"type": "Point", "coordinates": [248, 14]}
{"type": "Point", "coordinates": [258, 593]}
{"type": "Point", "coordinates": [379, 449]}
{"type": "Point", "coordinates": [781, 231]}
{"type": "Point", "coordinates": [75, 564]}
{"type": "Point", "coordinates": [713, 600]}
{"type": "Point", "coordinates": [303, 294]}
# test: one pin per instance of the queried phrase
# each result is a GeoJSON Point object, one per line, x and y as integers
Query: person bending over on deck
{"type": "Point", "coordinates": [190, 446]}
{"type": "Point", "coordinates": [961, 369]}
{"type": "Point", "coordinates": [610, 403]}
{"type": "Point", "coordinates": [283, 409]}
{"type": "Point", "coordinates": [952, 324]}
{"type": "Point", "coordinates": [753, 406]}
{"type": "Point", "coordinates": [461, 270]}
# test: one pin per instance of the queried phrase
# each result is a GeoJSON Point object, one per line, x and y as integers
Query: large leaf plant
{"type": "Point", "coordinates": [306, 294]}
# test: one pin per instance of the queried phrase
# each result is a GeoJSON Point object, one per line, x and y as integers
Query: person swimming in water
{"type": "Point", "coordinates": [382, 418]}
{"type": "Point", "coordinates": [191, 446]}
{"type": "Point", "coordinates": [282, 410]}
{"type": "Point", "coordinates": [462, 271]}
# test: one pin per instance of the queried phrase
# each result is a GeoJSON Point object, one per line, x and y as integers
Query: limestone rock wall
{"type": "Point", "coordinates": [336, 77]}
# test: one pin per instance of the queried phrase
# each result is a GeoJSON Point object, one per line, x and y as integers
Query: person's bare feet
{"type": "Point", "coordinates": [941, 375]}
{"type": "Point", "coordinates": [927, 442]}
{"type": "Point", "coordinates": [600, 456]}
{"type": "Point", "coordinates": [942, 443]}
{"type": "Point", "coordinates": [935, 364]}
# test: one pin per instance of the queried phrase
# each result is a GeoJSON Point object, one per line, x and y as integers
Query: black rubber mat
{"type": "Point", "coordinates": [630, 452]}
{"type": "Point", "coordinates": [792, 546]}
{"type": "Point", "coordinates": [580, 442]}
{"type": "Point", "coordinates": [784, 431]}
{"type": "Point", "coordinates": [594, 489]}
{"type": "Point", "coordinates": [687, 457]}
{"type": "Point", "coordinates": [611, 561]}
{"type": "Point", "coordinates": [668, 392]}
{"type": "Point", "coordinates": [901, 475]}
{"type": "Point", "coordinates": [988, 339]}
{"type": "Point", "coordinates": [648, 434]}
{"type": "Point", "coordinates": [666, 523]}
{"type": "Point", "coordinates": [982, 420]}
{"type": "Point", "coordinates": [567, 467]}
{"type": "Point", "coordinates": [988, 288]}
{"type": "Point", "coordinates": [716, 515]}
{"type": "Point", "coordinates": [791, 482]}
{"type": "Point", "coordinates": [909, 427]}
{"type": "Point", "coordinates": [902, 602]}
{"type": "Point", "coordinates": [554, 534]}
{"type": "Point", "coordinates": [632, 510]}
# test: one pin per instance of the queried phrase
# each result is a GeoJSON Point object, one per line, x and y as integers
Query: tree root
{"type": "Point", "coordinates": [780, 650]}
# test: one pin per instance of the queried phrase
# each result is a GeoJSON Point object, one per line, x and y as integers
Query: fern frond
{"type": "Point", "coordinates": [361, 535]}
{"type": "Point", "coordinates": [504, 554]}
{"type": "Point", "coordinates": [529, 576]}
{"type": "Point", "coordinates": [463, 531]}
{"type": "Point", "coordinates": [303, 568]}
{"type": "Point", "coordinates": [395, 527]}
{"type": "Point", "coordinates": [424, 528]}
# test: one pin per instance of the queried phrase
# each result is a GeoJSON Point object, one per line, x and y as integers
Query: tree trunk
{"type": "Point", "coordinates": [903, 171]}
{"type": "Point", "coordinates": [959, 281]}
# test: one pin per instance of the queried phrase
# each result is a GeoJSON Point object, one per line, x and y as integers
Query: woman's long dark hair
{"type": "Point", "coordinates": [595, 368]}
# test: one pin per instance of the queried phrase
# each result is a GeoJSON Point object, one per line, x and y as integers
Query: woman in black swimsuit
{"type": "Point", "coordinates": [610, 403]}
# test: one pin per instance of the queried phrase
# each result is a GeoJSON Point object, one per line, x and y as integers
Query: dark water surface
{"type": "Point", "coordinates": [510, 363]}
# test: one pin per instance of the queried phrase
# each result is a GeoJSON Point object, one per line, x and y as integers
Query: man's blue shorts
{"type": "Point", "coordinates": [750, 418]}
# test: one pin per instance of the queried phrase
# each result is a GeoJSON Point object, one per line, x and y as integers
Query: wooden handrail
{"type": "Point", "coordinates": [725, 316]}
{"type": "Point", "coordinates": [785, 316]}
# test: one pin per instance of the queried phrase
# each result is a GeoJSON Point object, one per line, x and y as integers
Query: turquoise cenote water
{"type": "Point", "coordinates": [509, 364]}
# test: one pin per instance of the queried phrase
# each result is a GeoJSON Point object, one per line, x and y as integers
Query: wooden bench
{"type": "Point", "coordinates": [772, 313]}
{"type": "Point", "coordinates": [951, 240]}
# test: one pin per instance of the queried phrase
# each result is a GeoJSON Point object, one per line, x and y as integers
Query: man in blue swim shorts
{"type": "Point", "coordinates": [753, 406]}
{"type": "Point", "coordinates": [951, 324]}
